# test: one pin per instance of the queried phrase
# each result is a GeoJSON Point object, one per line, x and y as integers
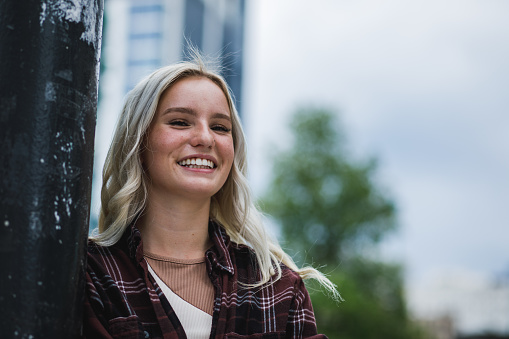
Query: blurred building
{"type": "Point", "coordinates": [484, 336]}
{"type": "Point", "coordinates": [142, 35]}
{"type": "Point", "coordinates": [463, 304]}
{"type": "Point", "coordinates": [441, 327]}
{"type": "Point", "coordinates": [157, 31]}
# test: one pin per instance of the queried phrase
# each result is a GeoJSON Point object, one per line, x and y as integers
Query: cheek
{"type": "Point", "coordinates": [157, 142]}
{"type": "Point", "coordinates": [158, 149]}
{"type": "Point", "coordinates": [229, 152]}
{"type": "Point", "coordinates": [164, 142]}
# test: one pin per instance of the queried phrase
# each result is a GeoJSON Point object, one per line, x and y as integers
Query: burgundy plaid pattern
{"type": "Point", "coordinates": [124, 301]}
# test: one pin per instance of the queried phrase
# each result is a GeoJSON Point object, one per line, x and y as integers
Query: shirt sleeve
{"type": "Point", "coordinates": [301, 318]}
{"type": "Point", "coordinates": [93, 319]}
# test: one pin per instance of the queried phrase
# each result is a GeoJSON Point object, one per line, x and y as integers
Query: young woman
{"type": "Point", "coordinates": [181, 251]}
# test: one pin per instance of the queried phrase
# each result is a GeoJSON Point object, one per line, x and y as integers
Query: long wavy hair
{"type": "Point", "coordinates": [124, 188]}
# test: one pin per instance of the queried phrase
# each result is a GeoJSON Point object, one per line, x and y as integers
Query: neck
{"type": "Point", "coordinates": [175, 229]}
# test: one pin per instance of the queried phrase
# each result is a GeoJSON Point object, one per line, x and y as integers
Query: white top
{"type": "Point", "coordinates": [197, 323]}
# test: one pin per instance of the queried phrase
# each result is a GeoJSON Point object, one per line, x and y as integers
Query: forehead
{"type": "Point", "coordinates": [195, 90]}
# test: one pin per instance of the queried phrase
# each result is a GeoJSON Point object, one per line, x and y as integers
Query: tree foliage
{"type": "Point", "coordinates": [323, 200]}
{"type": "Point", "coordinates": [332, 212]}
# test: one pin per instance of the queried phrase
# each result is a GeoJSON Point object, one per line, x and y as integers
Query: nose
{"type": "Point", "coordinates": [202, 136]}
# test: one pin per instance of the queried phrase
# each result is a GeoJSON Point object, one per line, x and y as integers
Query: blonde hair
{"type": "Point", "coordinates": [124, 188]}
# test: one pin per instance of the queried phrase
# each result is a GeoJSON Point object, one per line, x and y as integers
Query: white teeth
{"type": "Point", "coordinates": [197, 163]}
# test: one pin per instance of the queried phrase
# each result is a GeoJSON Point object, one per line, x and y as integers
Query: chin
{"type": "Point", "coordinates": [201, 193]}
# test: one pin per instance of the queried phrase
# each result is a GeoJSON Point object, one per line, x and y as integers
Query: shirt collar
{"type": "Point", "coordinates": [218, 254]}
{"type": "Point", "coordinates": [134, 243]}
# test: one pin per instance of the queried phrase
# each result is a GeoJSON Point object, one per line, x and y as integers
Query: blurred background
{"type": "Point", "coordinates": [385, 124]}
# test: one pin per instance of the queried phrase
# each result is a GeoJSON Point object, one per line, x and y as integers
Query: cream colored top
{"type": "Point", "coordinates": [196, 323]}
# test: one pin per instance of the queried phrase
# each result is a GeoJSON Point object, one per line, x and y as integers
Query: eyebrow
{"type": "Point", "coordinates": [192, 112]}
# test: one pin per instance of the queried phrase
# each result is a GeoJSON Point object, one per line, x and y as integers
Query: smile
{"type": "Point", "coordinates": [197, 163]}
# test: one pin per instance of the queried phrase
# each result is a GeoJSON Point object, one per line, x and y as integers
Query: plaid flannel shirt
{"type": "Point", "coordinates": [124, 301]}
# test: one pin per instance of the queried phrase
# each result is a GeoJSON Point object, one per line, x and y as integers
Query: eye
{"type": "Point", "coordinates": [178, 123]}
{"type": "Point", "coordinates": [221, 128]}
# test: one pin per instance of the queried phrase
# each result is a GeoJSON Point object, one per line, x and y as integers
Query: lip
{"type": "Point", "coordinates": [201, 156]}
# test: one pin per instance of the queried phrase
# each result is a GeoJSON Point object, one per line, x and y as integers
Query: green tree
{"type": "Point", "coordinates": [332, 213]}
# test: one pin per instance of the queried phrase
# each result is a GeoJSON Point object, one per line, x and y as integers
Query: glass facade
{"type": "Point", "coordinates": [145, 40]}
{"type": "Point", "coordinates": [158, 31]}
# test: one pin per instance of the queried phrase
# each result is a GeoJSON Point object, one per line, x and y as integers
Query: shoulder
{"type": "Point", "coordinates": [291, 282]}
{"type": "Point", "coordinates": [97, 252]}
{"type": "Point", "coordinates": [113, 261]}
{"type": "Point", "coordinates": [241, 253]}
{"type": "Point", "coordinates": [124, 249]}
{"type": "Point", "coordinates": [245, 261]}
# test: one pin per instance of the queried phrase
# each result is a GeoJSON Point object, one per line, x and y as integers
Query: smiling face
{"type": "Point", "coordinates": [190, 148]}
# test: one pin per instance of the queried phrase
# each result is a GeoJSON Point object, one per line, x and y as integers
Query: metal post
{"type": "Point", "coordinates": [49, 63]}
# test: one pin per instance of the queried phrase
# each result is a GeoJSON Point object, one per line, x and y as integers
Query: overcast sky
{"type": "Point", "coordinates": [421, 85]}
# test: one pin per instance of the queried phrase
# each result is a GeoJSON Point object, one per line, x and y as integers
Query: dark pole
{"type": "Point", "coordinates": [49, 63]}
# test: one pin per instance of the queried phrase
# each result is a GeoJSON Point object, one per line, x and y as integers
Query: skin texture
{"type": "Point", "coordinates": [192, 121]}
